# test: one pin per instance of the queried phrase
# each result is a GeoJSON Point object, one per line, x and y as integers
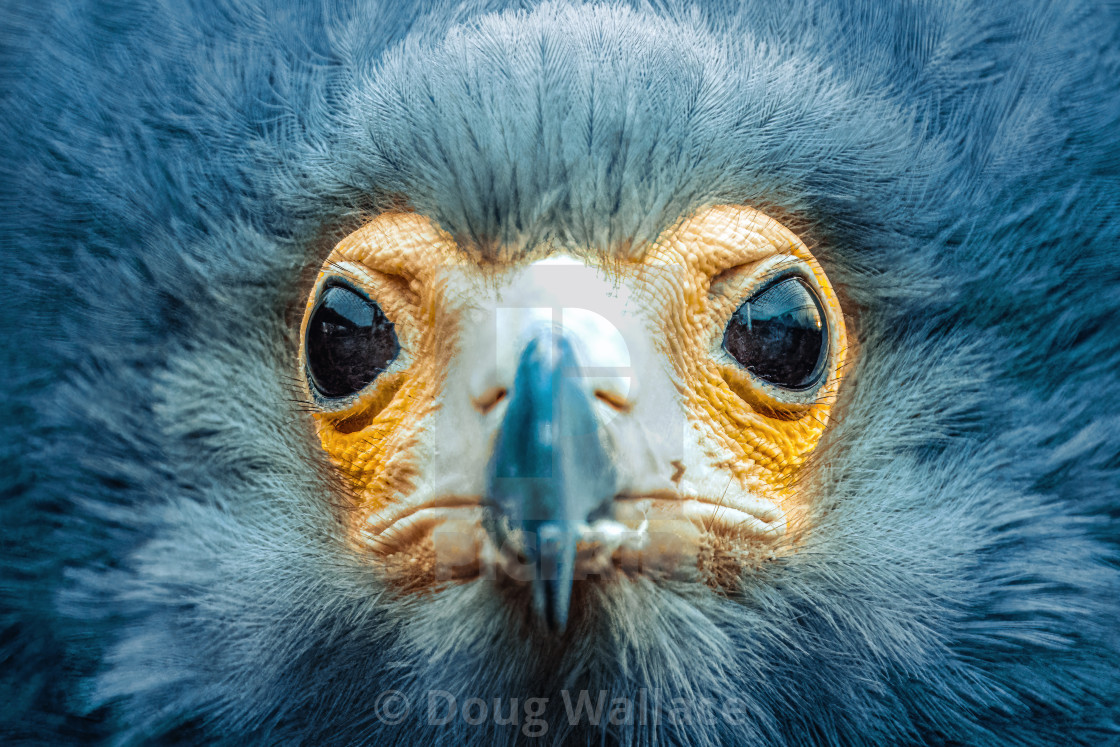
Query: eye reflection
{"type": "Point", "coordinates": [779, 335]}
{"type": "Point", "coordinates": [349, 342]}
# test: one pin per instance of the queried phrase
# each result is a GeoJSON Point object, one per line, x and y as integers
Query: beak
{"type": "Point", "coordinates": [550, 473]}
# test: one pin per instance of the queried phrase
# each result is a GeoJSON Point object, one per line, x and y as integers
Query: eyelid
{"type": "Point", "coordinates": [727, 275]}
{"type": "Point", "coordinates": [362, 276]}
{"type": "Point", "coordinates": [339, 281]}
{"type": "Point", "coordinates": [740, 282]}
{"type": "Point", "coordinates": [391, 293]}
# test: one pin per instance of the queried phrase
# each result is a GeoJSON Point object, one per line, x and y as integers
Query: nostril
{"type": "Point", "coordinates": [613, 400]}
{"type": "Point", "coordinates": [486, 401]}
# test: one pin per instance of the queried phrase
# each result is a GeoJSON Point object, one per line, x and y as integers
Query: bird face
{"type": "Point", "coordinates": [568, 415]}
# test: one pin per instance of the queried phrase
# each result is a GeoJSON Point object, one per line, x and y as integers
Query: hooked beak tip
{"type": "Point", "coordinates": [555, 566]}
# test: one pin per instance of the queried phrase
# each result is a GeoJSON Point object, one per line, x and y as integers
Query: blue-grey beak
{"type": "Point", "coordinates": [550, 473]}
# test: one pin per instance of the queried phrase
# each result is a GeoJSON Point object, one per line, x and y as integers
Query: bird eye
{"type": "Point", "coordinates": [779, 335]}
{"type": "Point", "coordinates": [349, 342]}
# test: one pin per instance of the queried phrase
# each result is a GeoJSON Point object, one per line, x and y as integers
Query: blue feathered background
{"type": "Point", "coordinates": [172, 175]}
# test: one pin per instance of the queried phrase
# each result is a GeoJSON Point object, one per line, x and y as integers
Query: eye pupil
{"type": "Point", "coordinates": [779, 335]}
{"type": "Point", "coordinates": [349, 342]}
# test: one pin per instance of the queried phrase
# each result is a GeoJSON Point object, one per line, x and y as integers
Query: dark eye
{"type": "Point", "coordinates": [779, 335]}
{"type": "Point", "coordinates": [349, 342]}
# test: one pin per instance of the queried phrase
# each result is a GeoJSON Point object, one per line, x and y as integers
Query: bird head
{"type": "Point", "coordinates": [569, 417]}
{"type": "Point", "coordinates": [757, 358]}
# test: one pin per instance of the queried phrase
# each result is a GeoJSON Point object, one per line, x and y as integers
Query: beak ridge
{"type": "Point", "coordinates": [551, 471]}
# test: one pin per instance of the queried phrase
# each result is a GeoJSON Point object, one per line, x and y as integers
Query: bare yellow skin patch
{"type": "Point", "coordinates": [413, 445]}
{"type": "Point", "coordinates": [401, 260]}
{"type": "Point", "coordinates": [722, 251]}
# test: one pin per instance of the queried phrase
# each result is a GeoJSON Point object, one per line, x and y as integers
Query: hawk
{"type": "Point", "coordinates": [595, 373]}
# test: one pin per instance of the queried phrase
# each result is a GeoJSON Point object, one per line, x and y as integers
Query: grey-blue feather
{"type": "Point", "coordinates": [171, 176]}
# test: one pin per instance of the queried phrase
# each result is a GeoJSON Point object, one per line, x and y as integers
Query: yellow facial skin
{"type": "Point", "coordinates": [743, 438]}
{"type": "Point", "coordinates": [767, 439]}
{"type": "Point", "coordinates": [399, 260]}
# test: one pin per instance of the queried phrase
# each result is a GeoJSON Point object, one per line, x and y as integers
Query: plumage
{"type": "Point", "coordinates": [173, 177]}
